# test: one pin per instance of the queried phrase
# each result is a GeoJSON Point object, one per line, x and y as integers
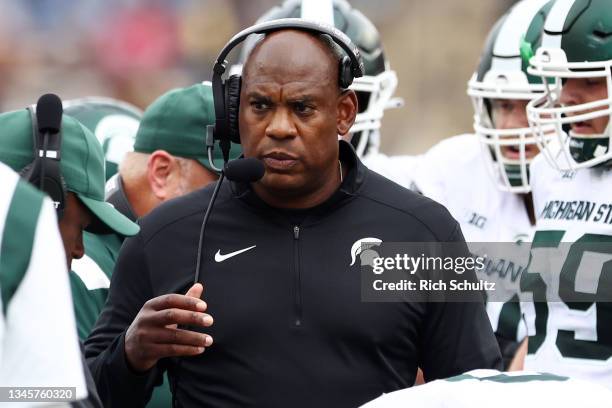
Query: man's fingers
{"type": "Point", "coordinates": [168, 317]}
{"type": "Point", "coordinates": [177, 301]}
{"type": "Point", "coordinates": [195, 291]}
{"type": "Point", "coordinates": [172, 350]}
{"type": "Point", "coordinates": [180, 337]}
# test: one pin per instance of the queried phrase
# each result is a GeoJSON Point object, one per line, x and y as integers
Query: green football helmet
{"type": "Point", "coordinates": [113, 122]}
{"type": "Point", "coordinates": [375, 90]}
{"type": "Point", "coordinates": [576, 43]}
{"type": "Point", "coordinates": [502, 75]}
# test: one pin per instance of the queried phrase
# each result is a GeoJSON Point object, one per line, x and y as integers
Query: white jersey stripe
{"type": "Point", "coordinates": [508, 41]}
{"type": "Point", "coordinates": [90, 273]}
{"type": "Point", "coordinates": [555, 22]}
{"type": "Point", "coordinates": [506, 64]}
{"type": "Point", "coordinates": [38, 341]}
{"type": "Point", "coordinates": [318, 10]}
{"type": "Point", "coordinates": [514, 27]}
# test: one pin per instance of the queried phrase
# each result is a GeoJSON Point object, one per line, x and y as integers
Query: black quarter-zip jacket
{"type": "Point", "coordinates": [290, 327]}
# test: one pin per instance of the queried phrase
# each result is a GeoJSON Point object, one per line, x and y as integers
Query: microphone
{"type": "Point", "coordinates": [247, 170]}
{"type": "Point", "coordinates": [49, 111]}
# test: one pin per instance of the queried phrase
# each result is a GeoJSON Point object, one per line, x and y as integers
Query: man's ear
{"type": "Point", "coordinates": [347, 111]}
{"type": "Point", "coordinates": [160, 167]}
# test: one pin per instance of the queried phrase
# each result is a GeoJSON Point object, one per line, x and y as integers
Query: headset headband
{"type": "Point", "coordinates": [222, 101]}
{"type": "Point", "coordinates": [338, 36]}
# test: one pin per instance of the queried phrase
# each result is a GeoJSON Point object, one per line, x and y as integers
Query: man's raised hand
{"type": "Point", "coordinates": [154, 333]}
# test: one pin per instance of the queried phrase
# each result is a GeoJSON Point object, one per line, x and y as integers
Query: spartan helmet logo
{"type": "Point", "coordinates": [363, 247]}
{"type": "Point", "coordinates": [116, 135]}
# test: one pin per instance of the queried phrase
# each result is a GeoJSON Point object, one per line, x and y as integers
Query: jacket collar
{"type": "Point", "coordinates": [356, 169]}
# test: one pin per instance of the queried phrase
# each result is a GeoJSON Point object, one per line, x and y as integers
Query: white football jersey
{"type": "Point", "coordinates": [399, 169]}
{"type": "Point", "coordinates": [38, 340]}
{"type": "Point", "coordinates": [491, 388]}
{"type": "Point", "coordinates": [570, 328]}
{"type": "Point", "coordinates": [454, 173]}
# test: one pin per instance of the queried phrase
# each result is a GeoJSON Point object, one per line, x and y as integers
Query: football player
{"type": "Point", "coordinates": [483, 178]}
{"type": "Point", "coordinates": [570, 274]}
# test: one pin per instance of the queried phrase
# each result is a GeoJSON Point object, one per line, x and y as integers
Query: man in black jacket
{"type": "Point", "coordinates": [290, 327]}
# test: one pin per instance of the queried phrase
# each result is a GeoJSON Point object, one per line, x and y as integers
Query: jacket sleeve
{"type": "Point", "coordinates": [457, 335]}
{"type": "Point", "coordinates": [118, 385]}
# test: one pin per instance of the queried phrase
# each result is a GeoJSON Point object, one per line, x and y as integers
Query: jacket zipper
{"type": "Point", "coordinates": [298, 279]}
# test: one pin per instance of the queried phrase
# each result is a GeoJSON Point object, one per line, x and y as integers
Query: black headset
{"type": "Point", "coordinates": [45, 172]}
{"type": "Point", "coordinates": [226, 93]}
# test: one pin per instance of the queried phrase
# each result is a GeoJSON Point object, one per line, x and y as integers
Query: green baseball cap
{"type": "Point", "coordinates": [176, 122]}
{"type": "Point", "coordinates": [113, 122]}
{"type": "Point", "coordinates": [82, 166]}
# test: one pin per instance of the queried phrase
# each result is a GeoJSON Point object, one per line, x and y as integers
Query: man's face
{"type": "Point", "coordinates": [292, 111]}
{"type": "Point", "coordinates": [76, 218]}
{"type": "Point", "coordinates": [577, 91]}
{"type": "Point", "coordinates": [511, 114]}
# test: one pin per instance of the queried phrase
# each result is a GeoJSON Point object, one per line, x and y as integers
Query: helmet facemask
{"type": "Point", "coordinates": [509, 174]}
{"type": "Point", "coordinates": [375, 95]}
{"type": "Point", "coordinates": [571, 151]}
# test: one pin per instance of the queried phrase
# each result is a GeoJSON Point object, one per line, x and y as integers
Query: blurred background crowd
{"type": "Point", "coordinates": [135, 50]}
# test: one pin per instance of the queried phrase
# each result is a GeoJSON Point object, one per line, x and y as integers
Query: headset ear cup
{"type": "Point", "coordinates": [54, 188]}
{"type": "Point", "coordinates": [232, 87]}
{"type": "Point", "coordinates": [346, 74]}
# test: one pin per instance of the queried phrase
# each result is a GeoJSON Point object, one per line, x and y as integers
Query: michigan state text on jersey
{"type": "Point", "coordinates": [569, 273]}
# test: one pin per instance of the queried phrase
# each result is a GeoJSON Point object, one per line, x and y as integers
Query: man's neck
{"type": "Point", "coordinates": [141, 199]}
{"type": "Point", "coordinates": [282, 199]}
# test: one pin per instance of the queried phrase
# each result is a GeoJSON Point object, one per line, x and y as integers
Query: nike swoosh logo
{"type": "Point", "coordinates": [221, 258]}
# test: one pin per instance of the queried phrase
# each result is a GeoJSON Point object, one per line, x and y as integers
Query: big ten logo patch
{"type": "Point", "coordinates": [477, 220]}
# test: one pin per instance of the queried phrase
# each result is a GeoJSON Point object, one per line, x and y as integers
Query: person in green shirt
{"type": "Point", "coordinates": [114, 123]}
{"type": "Point", "coordinates": [80, 206]}
{"type": "Point", "coordinates": [81, 168]}
{"type": "Point", "coordinates": [168, 160]}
